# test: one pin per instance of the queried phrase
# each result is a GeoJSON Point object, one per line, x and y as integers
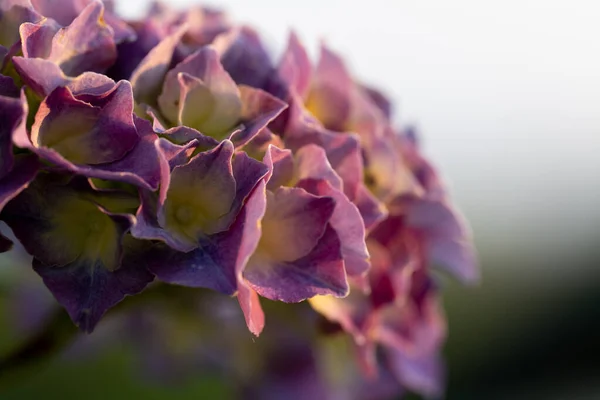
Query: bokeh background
{"type": "Point", "coordinates": [507, 97]}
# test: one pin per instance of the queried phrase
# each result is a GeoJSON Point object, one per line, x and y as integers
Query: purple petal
{"type": "Point", "coordinates": [200, 84]}
{"type": "Point", "coordinates": [182, 135]}
{"type": "Point", "coordinates": [448, 240]}
{"type": "Point", "coordinates": [348, 224]}
{"type": "Point", "coordinates": [320, 272]}
{"type": "Point", "coordinates": [412, 341]}
{"type": "Point", "coordinates": [130, 53]}
{"type": "Point", "coordinates": [147, 79]}
{"type": "Point", "coordinates": [218, 262]}
{"type": "Point", "coordinates": [282, 165]}
{"type": "Point", "coordinates": [77, 130]}
{"type": "Point", "coordinates": [244, 57]}
{"type": "Point", "coordinates": [87, 289]}
{"type": "Point", "coordinates": [11, 116]}
{"type": "Point", "coordinates": [24, 170]}
{"type": "Point", "coordinates": [58, 224]}
{"type": "Point", "coordinates": [66, 11]}
{"type": "Point", "coordinates": [87, 44]}
{"type": "Point", "coordinates": [200, 197]}
{"type": "Point", "coordinates": [43, 76]}
{"type": "Point", "coordinates": [331, 91]}
{"type": "Point", "coordinates": [259, 108]}
{"type": "Point", "coordinates": [36, 39]}
{"type": "Point", "coordinates": [371, 209]}
{"type": "Point", "coordinates": [343, 149]}
{"type": "Point", "coordinates": [380, 100]}
{"type": "Point", "coordinates": [294, 223]}
{"type": "Point", "coordinates": [12, 14]}
{"type": "Point", "coordinates": [295, 67]}
{"type": "Point", "coordinates": [247, 173]}
{"type": "Point", "coordinates": [312, 163]}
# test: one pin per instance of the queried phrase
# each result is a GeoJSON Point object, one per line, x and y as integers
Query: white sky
{"type": "Point", "coordinates": [507, 95]}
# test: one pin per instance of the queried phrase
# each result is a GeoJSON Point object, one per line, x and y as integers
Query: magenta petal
{"type": "Point", "coordinates": [295, 67]}
{"type": "Point", "coordinates": [320, 272]}
{"type": "Point", "coordinates": [87, 44]}
{"type": "Point", "coordinates": [329, 99]}
{"type": "Point", "coordinates": [348, 224]}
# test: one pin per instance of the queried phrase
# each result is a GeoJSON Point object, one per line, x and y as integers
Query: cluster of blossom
{"type": "Point", "coordinates": [174, 149]}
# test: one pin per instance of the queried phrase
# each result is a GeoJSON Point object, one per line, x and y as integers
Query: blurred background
{"type": "Point", "coordinates": [506, 95]}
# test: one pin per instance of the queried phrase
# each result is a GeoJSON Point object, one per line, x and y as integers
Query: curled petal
{"type": "Point", "coordinates": [282, 162]}
{"type": "Point", "coordinates": [147, 78]}
{"type": "Point", "coordinates": [348, 224]}
{"type": "Point", "coordinates": [66, 11]}
{"type": "Point", "coordinates": [43, 76]}
{"type": "Point", "coordinates": [36, 39]}
{"type": "Point", "coordinates": [259, 108]}
{"type": "Point", "coordinates": [320, 272]}
{"type": "Point", "coordinates": [294, 223]}
{"type": "Point", "coordinates": [13, 13]}
{"type": "Point", "coordinates": [83, 133]}
{"type": "Point", "coordinates": [199, 93]}
{"type": "Point", "coordinates": [87, 44]}
{"type": "Point", "coordinates": [218, 262]}
{"type": "Point", "coordinates": [200, 195]}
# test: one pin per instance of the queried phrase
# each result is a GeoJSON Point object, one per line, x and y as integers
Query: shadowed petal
{"type": "Point", "coordinates": [23, 171]}
{"type": "Point", "coordinates": [294, 222]}
{"type": "Point", "coordinates": [259, 108]}
{"type": "Point", "coordinates": [348, 224]}
{"type": "Point", "coordinates": [87, 289]}
{"type": "Point", "coordinates": [83, 133]}
{"type": "Point", "coordinates": [320, 272]}
{"type": "Point", "coordinates": [147, 79]}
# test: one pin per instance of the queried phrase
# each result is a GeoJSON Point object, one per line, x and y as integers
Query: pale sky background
{"type": "Point", "coordinates": [506, 93]}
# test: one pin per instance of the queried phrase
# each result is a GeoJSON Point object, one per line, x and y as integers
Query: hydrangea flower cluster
{"type": "Point", "coordinates": [174, 149]}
